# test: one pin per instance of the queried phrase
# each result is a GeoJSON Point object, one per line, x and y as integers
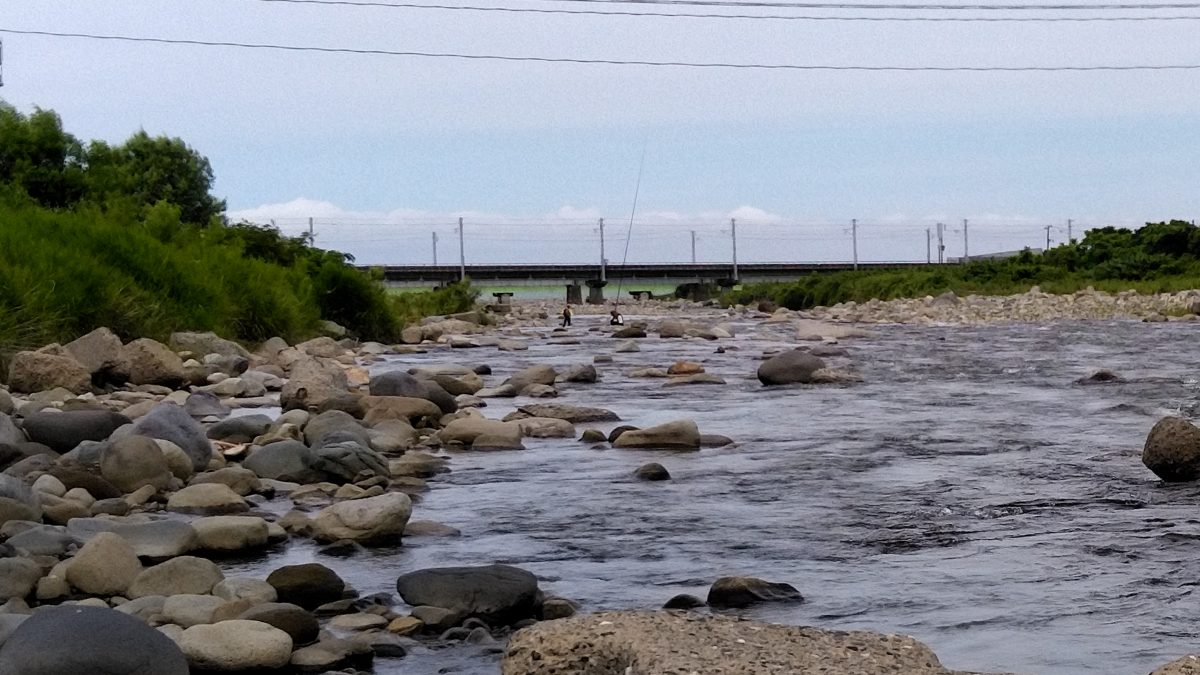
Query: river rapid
{"type": "Point", "coordinates": [968, 492]}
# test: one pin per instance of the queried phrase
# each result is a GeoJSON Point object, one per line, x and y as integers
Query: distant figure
{"type": "Point", "coordinates": [617, 319]}
{"type": "Point", "coordinates": [566, 316]}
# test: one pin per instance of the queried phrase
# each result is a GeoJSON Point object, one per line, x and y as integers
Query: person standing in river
{"type": "Point", "coordinates": [566, 316]}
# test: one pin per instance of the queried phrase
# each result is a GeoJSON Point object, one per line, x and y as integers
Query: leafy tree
{"type": "Point", "coordinates": [149, 170]}
{"type": "Point", "coordinates": [39, 159]}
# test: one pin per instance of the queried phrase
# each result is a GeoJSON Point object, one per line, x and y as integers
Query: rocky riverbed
{"type": "Point", "coordinates": [342, 506]}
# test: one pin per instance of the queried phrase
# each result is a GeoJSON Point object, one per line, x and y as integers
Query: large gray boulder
{"type": "Point", "coordinates": [185, 574]}
{"type": "Point", "coordinates": [539, 374]}
{"type": "Point", "coordinates": [1172, 450]}
{"type": "Point", "coordinates": [149, 537]}
{"type": "Point", "coordinates": [397, 383]}
{"type": "Point", "coordinates": [371, 520]}
{"type": "Point", "coordinates": [738, 592]}
{"type": "Point", "coordinates": [681, 642]}
{"type": "Point", "coordinates": [133, 462]}
{"type": "Point", "coordinates": [792, 367]}
{"type": "Point", "coordinates": [490, 434]}
{"type": "Point", "coordinates": [99, 351]}
{"type": "Point", "coordinates": [62, 431]}
{"type": "Point", "coordinates": [677, 435]}
{"type": "Point", "coordinates": [344, 462]}
{"type": "Point", "coordinates": [291, 619]}
{"type": "Point", "coordinates": [308, 585]}
{"type": "Point", "coordinates": [333, 422]}
{"type": "Point", "coordinates": [31, 372]}
{"type": "Point", "coordinates": [241, 429]}
{"type": "Point", "coordinates": [18, 501]}
{"type": "Point", "coordinates": [290, 461]}
{"type": "Point", "coordinates": [498, 594]}
{"type": "Point", "coordinates": [312, 383]}
{"type": "Point", "coordinates": [146, 361]}
{"type": "Point", "coordinates": [206, 343]}
{"type": "Point", "coordinates": [77, 640]}
{"type": "Point", "coordinates": [236, 645]}
{"type": "Point", "coordinates": [106, 565]}
{"type": "Point", "coordinates": [172, 423]}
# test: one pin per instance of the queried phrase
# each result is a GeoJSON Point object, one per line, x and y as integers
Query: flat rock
{"type": "Point", "coordinates": [498, 594]}
{"type": "Point", "coordinates": [677, 435]}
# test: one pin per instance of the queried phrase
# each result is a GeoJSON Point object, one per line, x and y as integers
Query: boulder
{"type": "Point", "coordinates": [495, 434]}
{"type": "Point", "coordinates": [206, 343]}
{"type": "Point", "coordinates": [679, 642]}
{"type": "Point", "coordinates": [79, 640]}
{"type": "Point", "coordinates": [680, 434]}
{"type": "Point", "coordinates": [31, 372]}
{"type": "Point", "coordinates": [145, 361]}
{"type": "Point", "coordinates": [333, 422]}
{"type": "Point", "coordinates": [652, 471]}
{"type": "Point", "coordinates": [632, 331]}
{"type": "Point", "coordinates": [593, 436]}
{"type": "Point", "coordinates": [324, 347]}
{"type": "Point", "coordinates": [241, 429]}
{"type": "Point", "coordinates": [572, 413]}
{"type": "Point", "coordinates": [309, 585]}
{"type": "Point", "coordinates": [172, 423]}
{"type": "Point", "coordinates": [396, 383]}
{"type": "Point", "coordinates": [18, 501]}
{"type": "Point", "coordinates": [150, 538]}
{"type": "Point", "coordinates": [201, 404]}
{"type": "Point", "coordinates": [290, 461]}
{"type": "Point", "coordinates": [236, 645]}
{"type": "Point", "coordinates": [189, 609]}
{"type": "Point", "coordinates": [294, 620]}
{"type": "Point", "coordinates": [1190, 664]}
{"type": "Point", "coordinates": [347, 461]}
{"type": "Point", "coordinates": [240, 480]}
{"type": "Point", "coordinates": [99, 351]}
{"type": "Point", "coordinates": [242, 588]}
{"type": "Point", "coordinates": [545, 427]}
{"type": "Point", "coordinates": [76, 477]}
{"type": "Point", "coordinates": [206, 498]}
{"type": "Point", "coordinates": [133, 462]}
{"type": "Point", "coordinates": [18, 577]}
{"type": "Point", "coordinates": [1172, 450]}
{"type": "Point", "coordinates": [455, 385]}
{"type": "Point", "coordinates": [582, 373]}
{"type": "Point", "coordinates": [789, 367]}
{"type": "Point", "coordinates": [697, 378]}
{"type": "Point", "coordinates": [539, 374]}
{"type": "Point", "coordinates": [497, 594]}
{"type": "Point", "coordinates": [10, 433]}
{"type": "Point", "coordinates": [672, 329]}
{"type": "Point", "coordinates": [230, 533]}
{"type": "Point", "coordinates": [105, 565]}
{"type": "Point", "coordinates": [185, 574]}
{"type": "Point", "coordinates": [408, 409]}
{"type": "Point", "coordinates": [371, 520]}
{"type": "Point", "coordinates": [63, 431]}
{"type": "Point", "coordinates": [685, 368]}
{"type": "Point", "coordinates": [313, 383]}
{"type": "Point", "coordinates": [738, 592]}
{"type": "Point", "coordinates": [628, 347]}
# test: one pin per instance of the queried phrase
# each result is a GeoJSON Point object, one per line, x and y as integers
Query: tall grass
{"type": "Point", "coordinates": [412, 306]}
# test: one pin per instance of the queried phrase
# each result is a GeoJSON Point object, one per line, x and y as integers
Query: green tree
{"type": "Point", "coordinates": [152, 169]}
{"type": "Point", "coordinates": [39, 159]}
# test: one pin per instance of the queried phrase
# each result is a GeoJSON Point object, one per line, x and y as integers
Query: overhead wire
{"type": "Point", "coordinates": [612, 62]}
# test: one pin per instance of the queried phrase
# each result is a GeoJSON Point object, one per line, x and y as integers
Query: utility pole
{"type": "Point", "coordinates": [462, 253]}
{"type": "Point", "coordinates": [311, 236]}
{"type": "Point", "coordinates": [733, 231]}
{"type": "Point", "coordinates": [603, 276]}
{"type": "Point", "coordinates": [1, 63]}
{"type": "Point", "coordinates": [941, 245]}
{"type": "Point", "coordinates": [693, 247]}
{"type": "Point", "coordinates": [1070, 238]}
{"type": "Point", "coordinates": [928, 246]}
{"type": "Point", "coordinates": [1048, 236]}
{"type": "Point", "coordinates": [854, 239]}
{"type": "Point", "coordinates": [435, 249]}
{"type": "Point", "coordinates": [966, 254]}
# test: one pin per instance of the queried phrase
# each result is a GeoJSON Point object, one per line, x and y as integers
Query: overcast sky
{"type": "Point", "coordinates": [383, 151]}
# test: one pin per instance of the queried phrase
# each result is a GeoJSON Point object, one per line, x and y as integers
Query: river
{"type": "Point", "coordinates": [967, 493]}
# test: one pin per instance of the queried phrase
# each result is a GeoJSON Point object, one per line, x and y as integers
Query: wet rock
{"type": "Point", "coordinates": [672, 329]}
{"type": "Point", "coordinates": [737, 592]}
{"type": "Point", "coordinates": [593, 436]}
{"type": "Point", "coordinates": [503, 391]}
{"type": "Point", "coordinates": [1172, 450]}
{"type": "Point", "coordinates": [652, 471]}
{"type": "Point", "coordinates": [346, 461]}
{"type": "Point", "coordinates": [172, 423]}
{"type": "Point", "coordinates": [685, 368]}
{"type": "Point", "coordinates": [555, 608]}
{"type": "Point", "coordinates": [1100, 377]}
{"type": "Point", "coordinates": [545, 427]}
{"type": "Point", "coordinates": [498, 594]}
{"type": "Point", "coordinates": [684, 601]}
{"type": "Point", "coordinates": [571, 413]}
{"type": "Point", "coordinates": [396, 383]}
{"type": "Point", "coordinates": [680, 434]}
{"type": "Point", "coordinates": [539, 374]}
{"type": "Point", "coordinates": [1187, 665]}
{"type": "Point", "coordinates": [371, 520]}
{"type": "Point", "coordinates": [407, 409]}
{"type": "Point", "coordinates": [185, 574]}
{"type": "Point", "coordinates": [150, 538]}
{"type": "Point", "coordinates": [236, 645]}
{"type": "Point", "coordinates": [37, 647]}
{"type": "Point", "coordinates": [294, 620]}
{"type": "Point", "coordinates": [617, 431]}
{"type": "Point", "coordinates": [581, 373]}
{"type": "Point", "coordinates": [636, 330]}
{"type": "Point", "coordinates": [62, 431]}
{"type": "Point", "coordinates": [308, 585]}
{"type": "Point", "coordinates": [699, 378]}
{"type": "Point", "coordinates": [106, 565]}
{"type": "Point", "coordinates": [714, 441]}
{"type": "Point", "coordinates": [467, 430]}
{"type": "Point", "coordinates": [405, 625]}
{"type": "Point", "coordinates": [789, 368]}
{"type": "Point", "coordinates": [134, 461]}
{"type": "Point", "coordinates": [429, 528]}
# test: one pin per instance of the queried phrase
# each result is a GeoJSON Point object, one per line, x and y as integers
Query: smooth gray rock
{"type": "Point", "coordinates": [78, 640]}
{"type": "Point", "coordinates": [343, 462]}
{"type": "Point", "coordinates": [158, 538]}
{"type": "Point", "coordinates": [290, 461]}
{"type": "Point", "coordinates": [18, 501]}
{"type": "Point", "coordinates": [331, 422]}
{"type": "Point", "coordinates": [309, 585]}
{"type": "Point", "coordinates": [201, 404]}
{"type": "Point", "coordinates": [242, 429]}
{"type": "Point", "coordinates": [172, 423]}
{"type": "Point", "coordinates": [498, 594]}
{"type": "Point", "coordinates": [62, 431]}
{"type": "Point", "coordinates": [792, 367]}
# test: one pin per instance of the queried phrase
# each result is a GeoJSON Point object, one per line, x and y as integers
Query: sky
{"type": "Point", "coordinates": [385, 152]}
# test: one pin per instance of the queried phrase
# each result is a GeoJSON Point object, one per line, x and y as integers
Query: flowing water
{"type": "Point", "coordinates": [967, 493]}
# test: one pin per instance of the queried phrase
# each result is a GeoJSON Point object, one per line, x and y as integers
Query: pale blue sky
{"type": "Point", "coordinates": [534, 153]}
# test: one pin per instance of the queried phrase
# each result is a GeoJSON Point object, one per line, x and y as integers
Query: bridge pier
{"type": "Point", "coordinates": [574, 293]}
{"type": "Point", "coordinates": [596, 291]}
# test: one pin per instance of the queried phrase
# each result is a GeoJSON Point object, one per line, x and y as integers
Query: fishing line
{"type": "Point", "coordinates": [637, 188]}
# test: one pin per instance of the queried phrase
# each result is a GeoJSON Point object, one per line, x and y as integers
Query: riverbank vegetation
{"type": "Point", "coordinates": [129, 236]}
{"type": "Point", "coordinates": [1159, 257]}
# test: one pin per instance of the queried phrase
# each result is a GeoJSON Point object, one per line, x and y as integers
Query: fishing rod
{"type": "Point", "coordinates": [637, 188]}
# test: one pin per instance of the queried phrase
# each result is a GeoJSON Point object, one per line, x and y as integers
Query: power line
{"type": "Point", "coordinates": [879, 6]}
{"type": "Point", "coordinates": [758, 17]}
{"type": "Point", "coordinates": [609, 62]}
